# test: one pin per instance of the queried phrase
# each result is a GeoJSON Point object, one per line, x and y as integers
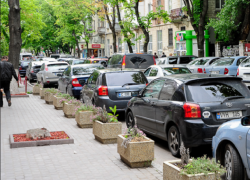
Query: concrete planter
{"type": "Point", "coordinates": [42, 92]}
{"type": "Point", "coordinates": [172, 172]}
{"type": "Point", "coordinates": [68, 110]}
{"type": "Point", "coordinates": [48, 97]}
{"type": "Point", "coordinates": [83, 119]}
{"type": "Point", "coordinates": [137, 154]}
{"type": "Point", "coordinates": [106, 133]}
{"type": "Point", "coordinates": [36, 90]}
{"type": "Point", "coordinates": [56, 102]}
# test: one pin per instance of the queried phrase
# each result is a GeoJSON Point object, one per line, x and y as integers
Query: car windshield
{"type": "Point", "coordinates": [85, 70]}
{"type": "Point", "coordinates": [198, 62]}
{"type": "Point", "coordinates": [175, 70]}
{"type": "Point", "coordinates": [121, 78]}
{"type": "Point", "coordinates": [223, 62]}
{"type": "Point", "coordinates": [216, 91]}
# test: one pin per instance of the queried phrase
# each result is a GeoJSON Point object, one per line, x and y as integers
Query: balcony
{"type": "Point", "coordinates": [177, 15]}
{"type": "Point", "coordinates": [101, 30]}
{"type": "Point", "coordinates": [117, 27]}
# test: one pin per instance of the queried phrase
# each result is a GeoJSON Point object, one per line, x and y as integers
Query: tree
{"type": "Point", "coordinates": [232, 23]}
{"type": "Point", "coordinates": [197, 11]}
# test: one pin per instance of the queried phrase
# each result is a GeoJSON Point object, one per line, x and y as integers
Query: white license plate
{"type": "Point", "coordinates": [215, 72]}
{"type": "Point", "coordinates": [247, 75]}
{"type": "Point", "coordinates": [229, 115]}
{"type": "Point", "coordinates": [124, 94]}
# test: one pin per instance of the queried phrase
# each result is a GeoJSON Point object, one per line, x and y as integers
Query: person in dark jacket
{"type": "Point", "coordinates": [6, 72]}
{"type": "Point", "coordinates": [163, 55]}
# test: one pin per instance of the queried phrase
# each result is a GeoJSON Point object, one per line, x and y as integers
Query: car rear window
{"type": "Point", "coordinates": [121, 78]}
{"type": "Point", "coordinates": [88, 69]}
{"type": "Point", "coordinates": [56, 66]}
{"type": "Point", "coordinates": [216, 90]}
{"type": "Point", "coordinates": [25, 63]}
{"type": "Point", "coordinates": [139, 61]}
{"type": "Point", "coordinates": [79, 62]}
{"type": "Point", "coordinates": [198, 62]}
{"type": "Point", "coordinates": [36, 67]}
{"type": "Point", "coordinates": [223, 62]}
{"type": "Point", "coordinates": [245, 63]}
{"type": "Point", "coordinates": [177, 70]}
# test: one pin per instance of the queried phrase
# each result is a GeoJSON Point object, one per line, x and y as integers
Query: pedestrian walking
{"type": "Point", "coordinates": [245, 54]}
{"type": "Point", "coordinates": [155, 55]}
{"type": "Point", "coordinates": [163, 55]}
{"type": "Point", "coordinates": [6, 72]}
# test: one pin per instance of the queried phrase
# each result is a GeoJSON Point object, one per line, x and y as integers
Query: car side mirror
{"type": "Point", "coordinates": [245, 121]}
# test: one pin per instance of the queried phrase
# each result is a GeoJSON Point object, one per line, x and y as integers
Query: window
{"type": "Point", "coordinates": [134, 46]}
{"type": "Point", "coordinates": [168, 90]}
{"type": "Point", "coordinates": [150, 45]}
{"type": "Point", "coordinates": [219, 4]}
{"type": "Point", "coordinates": [153, 72]}
{"type": "Point", "coordinates": [119, 45]}
{"type": "Point", "coordinates": [169, 6]}
{"type": "Point", "coordinates": [153, 89]}
{"type": "Point", "coordinates": [146, 73]}
{"type": "Point", "coordinates": [183, 28]}
{"type": "Point", "coordinates": [172, 60]}
{"type": "Point", "coordinates": [170, 37]}
{"type": "Point", "coordinates": [245, 63]}
{"type": "Point", "coordinates": [93, 79]}
{"type": "Point", "coordinates": [149, 7]}
{"type": "Point", "coordinates": [185, 60]}
{"type": "Point", "coordinates": [158, 3]}
{"type": "Point", "coordinates": [239, 61]}
{"type": "Point", "coordinates": [179, 94]}
{"type": "Point", "coordinates": [223, 62]}
{"type": "Point", "coordinates": [67, 71]}
{"type": "Point", "coordinates": [159, 42]}
{"type": "Point", "coordinates": [141, 45]}
{"type": "Point", "coordinates": [108, 49]}
{"type": "Point", "coordinates": [175, 70]}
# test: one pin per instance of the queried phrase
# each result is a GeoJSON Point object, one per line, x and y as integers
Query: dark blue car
{"type": "Point", "coordinates": [74, 78]}
{"type": "Point", "coordinates": [22, 67]}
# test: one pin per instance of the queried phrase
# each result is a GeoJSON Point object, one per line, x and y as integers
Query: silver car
{"type": "Point", "coordinates": [50, 72]}
{"type": "Point", "coordinates": [198, 65]}
{"type": "Point", "coordinates": [156, 71]}
{"type": "Point", "coordinates": [244, 71]}
{"type": "Point", "coordinates": [183, 60]}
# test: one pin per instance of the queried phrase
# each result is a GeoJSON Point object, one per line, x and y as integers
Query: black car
{"type": "Point", "coordinates": [188, 107]}
{"type": "Point", "coordinates": [22, 67]}
{"type": "Point", "coordinates": [112, 87]}
{"type": "Point", "coordinates": [131, 60]}
{"type": "Point", "coordinates": [32, 69]}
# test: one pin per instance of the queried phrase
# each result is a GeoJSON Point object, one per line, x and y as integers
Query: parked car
{"type": "Point", "coordinates": [183, 60]}
{"type": "Point", "coordinates": [112, 87]}
{"type": "Point", "coordinates": [23, 56]}
{"type": "Point", "coordinates": [227, 66]}
{"type": "Point", "coordinates": [22, 67]}
{"type": "Point", "coordinates": [156, 71]}
{"type": "Point", "coordinates": [131, 60]}
{"type": "Point", "coordinates": [198, 65]}
{"type": "Point", "coordinates": [244, 71]}
{"type": "Point", "coordinates": [50, 72]}
{"type": "Point", "coordinates": [231, 147]}
{"type": "Point", "coordinates": [101, 61]}
{"type": "Point", "coordinates": [188, 107]}
{"type": "Point", "coordinates": [74, 77]}
{"type": "Point", "coordinates": [32, 69]}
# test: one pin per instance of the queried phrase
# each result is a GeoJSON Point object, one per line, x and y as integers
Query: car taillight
{"type": "Point", "coordinates": [123, 62]}
{"type": "Point", "coordinates": [76, 83]}
{"type": "Point", "coordinates": [192, 110]}
{"type": "Point", "coordinates": [146, 84]}
{"type": "Point", "coordinates": [226, 71]}
{"type": "Point", "coordinates": [31, 70]}
{"type": "Point", "coordinates": [20, 68]}
{"type": "Point", "coordinates": [154, 60]}
{"type": "Point", "coordinates": [200, 70]}
{"type": "Point", "coordinates": [46, 68]}
{"type": "Point", "coordinates": [204, 71]}
{"type": "Point", "coordinates": [103, 91]}
{"type": "Point", "coordinates": [238, 72]}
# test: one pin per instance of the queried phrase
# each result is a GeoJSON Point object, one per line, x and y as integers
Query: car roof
{"type": "Point", "coordinates": [169, 65]}
{"type": "Point", "coordinates": [54, 62]}
{"type": "Point", "coordinates": [116, 70]}
{"type": "Point", "coordinates": [233, 57]}
{"type": "Point", "coordinates": [80, 65]}
{"type": "Point", "coordinates": [206, 58]}
{"type": "Point", "coordinates": [185, 78]}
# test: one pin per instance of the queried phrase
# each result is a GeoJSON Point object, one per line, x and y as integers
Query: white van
{"type": "Point", "coordinates": [23, 56]}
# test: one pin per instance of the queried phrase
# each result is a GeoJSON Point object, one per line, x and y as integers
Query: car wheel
{"type": "Point", "coordinates": [130, 120]}
{"type": "Point", "coordinates": [232, 163]}
{"type": "Point", "coordinates": [174, 141]}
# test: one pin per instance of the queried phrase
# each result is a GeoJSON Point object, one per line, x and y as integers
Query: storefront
{"type": "Point", "coordinates": [96, 50]}
{"type": "Point", "coordinates": [186, 43]}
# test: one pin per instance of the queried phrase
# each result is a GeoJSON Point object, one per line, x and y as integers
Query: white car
{"type": "Point", "coordinates": [244, 71]}
{"type": "Point", "coordinates": [50, 72]}
{"type": "Point", "coordinates": [47, 59]}
{"type": "Point", "coordinates": [155, 71]}
{"type": "Point", "coordinates": [198, 65]}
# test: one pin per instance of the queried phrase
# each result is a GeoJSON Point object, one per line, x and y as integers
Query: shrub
{"type": "Point", "coordinates": [52, 90]}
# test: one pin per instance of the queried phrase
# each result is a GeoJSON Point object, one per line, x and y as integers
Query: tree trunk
{"type": "Point", "coordinates": [122, 29]}
{"type": "Point", "coordinates": [15, 32]}
{"type": "Point", "coordinates": [246, 24]}
{"type": "Point", "coordinates": [87, 54]}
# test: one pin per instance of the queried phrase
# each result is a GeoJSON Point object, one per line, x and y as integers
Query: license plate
{"type": "Point", "coordinates": [124, 94]}
{"type": "Point", "coordinates": [247, 75]}
{"type": "Point", "coordinates": [215, 72]}
{"type": "Point", "coordinates": [229, 115]}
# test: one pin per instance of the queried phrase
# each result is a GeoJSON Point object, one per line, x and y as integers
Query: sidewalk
{"type": "Point", "coordinates": [85, 159]}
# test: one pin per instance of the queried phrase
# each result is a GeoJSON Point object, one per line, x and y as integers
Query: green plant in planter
{"type": "Point", "coordinates": [86, 107]}
{"type": "Point", "coordinates": [36, 84]}
{"type": "Point", "coordinates": [102, 115]}
{"type": "Point", "coordinates": [130, 134]}
{"type": "Point", "coordinates": [52, 90]}
{"type": "Point", "coordinates": [113, 116]}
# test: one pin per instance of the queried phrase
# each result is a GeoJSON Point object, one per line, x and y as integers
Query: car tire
{"type": "Point", "coordinates": [174, 141]}
{"type": "Point", "coordinates": [130, 120]}
{"type": "Point", "coordinates": [233, 163]}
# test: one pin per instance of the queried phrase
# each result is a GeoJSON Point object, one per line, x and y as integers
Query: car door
{"type": "Point", "coordinates": [39, 74]}
{"type": "Point", "coordinates": [165, 106]}
{"type": "Point", "coordinates": [146, 106]}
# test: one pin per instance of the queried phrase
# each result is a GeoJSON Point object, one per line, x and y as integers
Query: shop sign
{"type": "Point", "coordinates": [247, 46]}
{"type": "Point", "coordinates": [96, 45]}
{"type": "Point", "coordinates": [179, 37]}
